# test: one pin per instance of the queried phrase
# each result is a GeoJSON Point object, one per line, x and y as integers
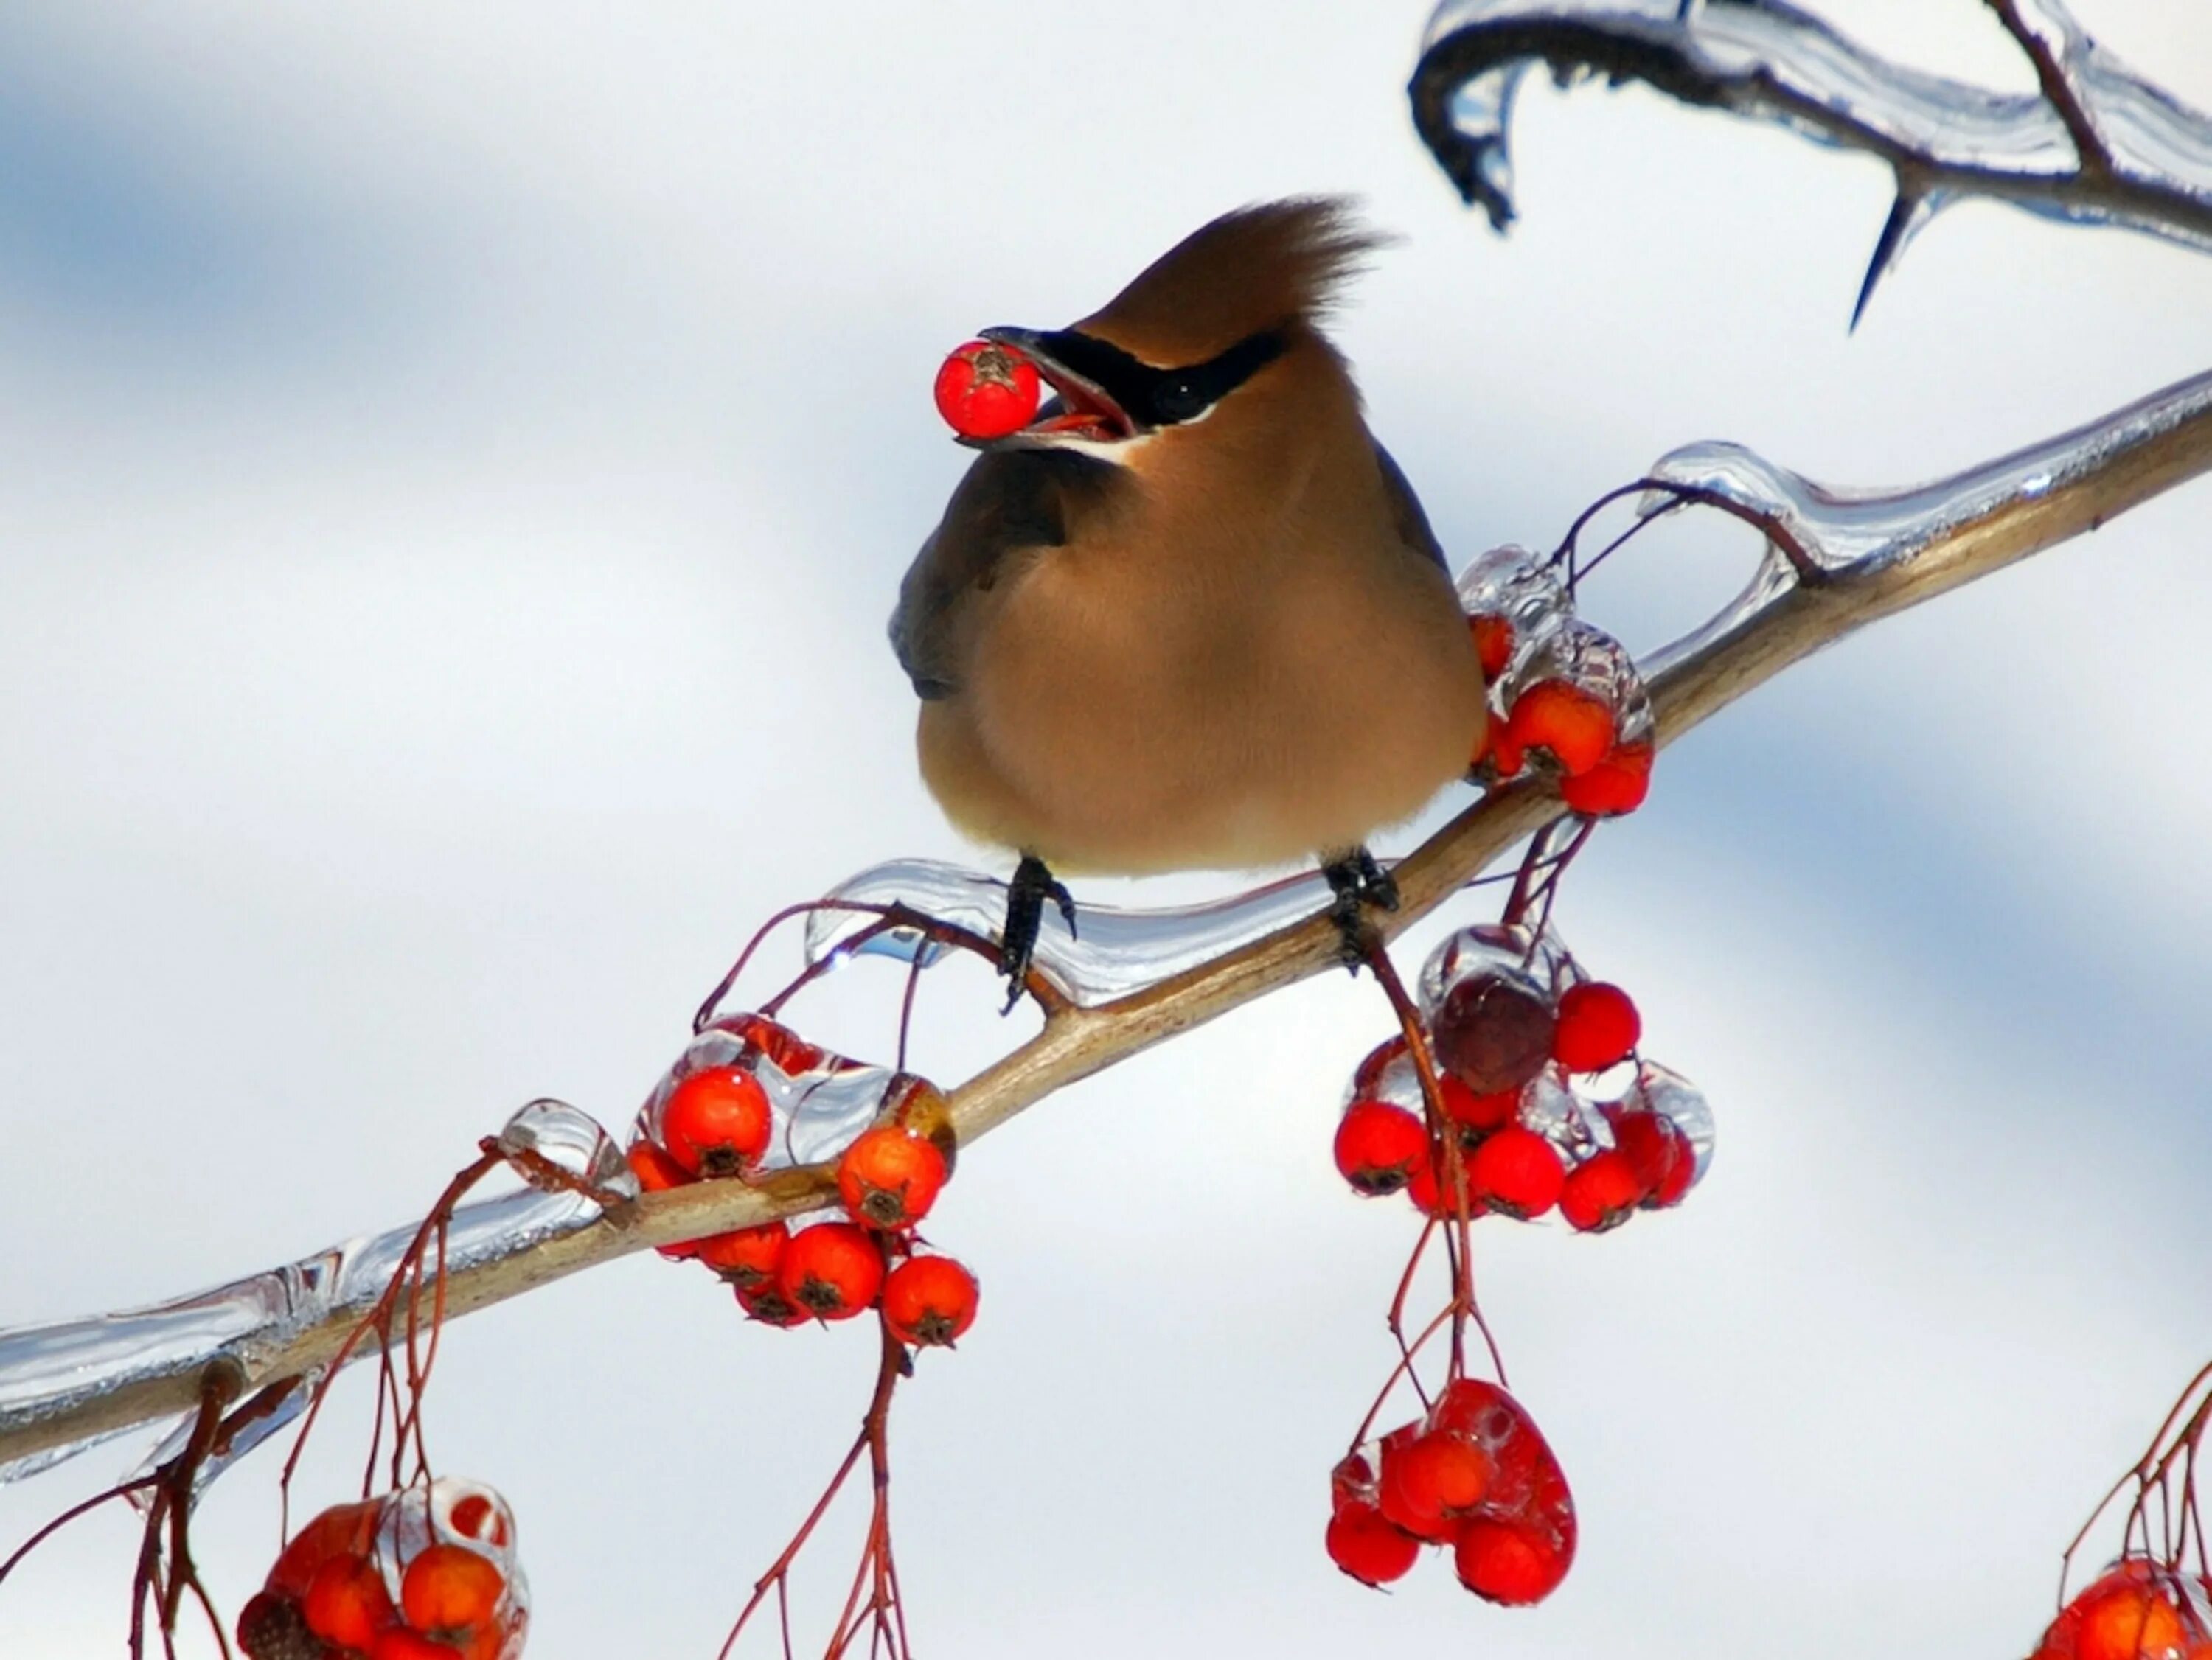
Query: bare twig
{"type": "Point", "coordinates": [2122, 461]}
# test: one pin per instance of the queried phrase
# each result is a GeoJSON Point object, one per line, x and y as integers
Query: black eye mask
{"type": "Point", "coordinates": [1152, 398]}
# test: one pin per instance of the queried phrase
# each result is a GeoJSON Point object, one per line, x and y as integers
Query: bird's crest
{"type": "Point", "coordinates": [1258, 267]}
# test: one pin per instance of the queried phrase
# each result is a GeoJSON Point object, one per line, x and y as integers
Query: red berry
{"type": "Point", "coordinates": [831, 1271]}
{"type": "Point", "coordinates": [2136, 1612]}
{"type": "Point", "coordinates": [1491, 1034]}
{"type": "Point", "coordinates": [400, 1643]}
{"type": "Point", "coordinates": [1493, 644]}
{"type": "Point", "coordinates": [987, 390]}
{"type": "Point", "coordinates": [788, 1052]}
{"type": "Point", "coordinates": [1477, 1115]}
{"type": "Point", "coordinates": [347, 1603]}
{"type": "Point", "coordinates": [475, 1517]}
{"type": "Point", "coordinates": [1598, 1027]}
{"type": "Point", "coordinates": [1508, 1562]}
{"type": "Point", "coordinates": [745, 1256]}
{"type": "Point", "coordinates": [1616, 785]}
{"type": "Point", "coordinates": [657, 1172]}
{"type": "Point", "coordinates": [1601, 1192]}
{"type": "Point", "coordinates": [1518, 1172]}
{"type": "Point", "coordinates": [450, 1588]}
{"type": "Point", "coordinates": [1427, 1191]}
{"type": "Point", "coordinates": [929, 1299]}
{"type": "Point", "coordinates": [1661, 1155]}
{"type": "Point", "coordinates": [1500, 747]}
{"type": "Point", "coordinates": [717, 1122]}
{"type": "Point", "coordinates": [273, 1629]}
{"type": "Point", "coordinates": [1575, 725]}
{"type": "Point", "coordinates": [889, 1177]}
{"type": "Point", "coordinates": [1379, 1146]}
{"type": "Point", "coordinates": [341, 1530]}
{"type": "Point", "coordinates": [767, 1303]}
{"type": "Point", "coordinates": [1431, 1478]}
{"type": "Point", "coordinates": [1352, 1483]}
{"type": "Point", "coordinates": [1368, 1548]}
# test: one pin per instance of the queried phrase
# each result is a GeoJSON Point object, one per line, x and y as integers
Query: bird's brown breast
{"type": "Point", "coordinates": [1190, 686]}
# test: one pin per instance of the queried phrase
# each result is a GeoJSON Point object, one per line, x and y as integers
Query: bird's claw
{"type": "Point", "coordinates": [1357, 882]}
{"type": "Point", "coordinates": [1033, 884]}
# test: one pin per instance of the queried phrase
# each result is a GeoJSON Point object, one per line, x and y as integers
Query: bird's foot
{"type": "Point", "coordinates": [1358, 882]}
{"type": "Point", "coordinates": [1033, 884]}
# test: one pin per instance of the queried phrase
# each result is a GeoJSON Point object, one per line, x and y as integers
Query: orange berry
{"type": "Point", "coordinates": [450, 1588]}
{"type": "Point", "coordinates": [1575, 725]}
{"type": "Point", "coordinates": [1516, 1170]}
{"type": "Point", "coordinates": [889, 1177]}
{"type": "Point", "coordinates": [831, 1271]}
{"type": "Point", "coordinates": [1616, 785]}
{"type": "Point", "coordinates": [341, 1530]}
{"type": "Point", "coordinates": [1598, 1027]}
{"type": "Point", "coordinates": [1493, 644]}
{"type": "Point", "coordinates": [1508, 1562]}
{"type": "Point", "coordinates": [716, 1123]}
{"type": "Point", "coordinates": [1601, 1192]}
{"type": "Point", "coordinates": [985, 391]}
{"type": "Point", "coordinates": [1366, 1546]}
{"type": "Point", "coordinates": [1379, 1146]}
{"type": "Point", "coordinates": [347, 1603]}
{"type": "Point", "coordinates": [929, 1299]}
{"type": "Point", "coordinates": [745, 1256]}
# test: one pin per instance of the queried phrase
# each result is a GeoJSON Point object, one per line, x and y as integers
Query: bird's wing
{"type": "Point", "coordinates": [1405, 512]}
{"type": "Point", "coordinates": [1010, 501]}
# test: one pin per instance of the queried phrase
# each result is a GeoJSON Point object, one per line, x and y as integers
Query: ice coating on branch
{"type": "Point", "coordinates": [1853, 531]}
{"type": "Point", "coordinates": [1769, 62]}
{"type": "Point", "coordinates": [1116, 951]}
{"type": "Point", "coordinates": [46, 1370]}
{"type": "Point", "coordinates": [818, 1101]}
{"type": "Point", "coordinates": [572, 1141]}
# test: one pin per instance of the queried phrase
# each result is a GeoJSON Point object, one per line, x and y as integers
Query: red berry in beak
{"type": "Point", "coordinates": [986, 390]}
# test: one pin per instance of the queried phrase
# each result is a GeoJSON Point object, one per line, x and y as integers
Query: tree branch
{"type": "Point", "coordinates": [1879, 554]}
{"type": "Point", "coordinates": [2149, 169]}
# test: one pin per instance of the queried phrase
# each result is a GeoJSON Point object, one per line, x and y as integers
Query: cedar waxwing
{"type": "Point", "coordinates": [1192, 616]}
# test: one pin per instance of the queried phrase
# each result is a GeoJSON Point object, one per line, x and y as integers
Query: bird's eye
{"type": "Point", "coordinates": [1177, 399]}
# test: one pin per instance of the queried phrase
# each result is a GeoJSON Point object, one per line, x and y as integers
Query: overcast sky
{"type": "Point", "coordinates": [457, 463]}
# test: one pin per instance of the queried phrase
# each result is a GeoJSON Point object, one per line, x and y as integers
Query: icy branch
{"type": "Point", "coordinates": [1857, 558]}
{"type": "Point", "coordinates": [2095, 144]}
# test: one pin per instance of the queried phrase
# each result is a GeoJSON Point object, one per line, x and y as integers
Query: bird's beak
{"type": "Point", "coordinates": [1083, 413]}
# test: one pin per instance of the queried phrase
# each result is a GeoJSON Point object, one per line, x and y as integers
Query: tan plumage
{"type": "Point", "coordinates": [1225, 642]}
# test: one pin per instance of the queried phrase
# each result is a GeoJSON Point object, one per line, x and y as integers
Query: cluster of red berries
{"type": "Point", "coordinates": [987, 390]}
{"type": "Point", "coordinates": [716, 1120]}
{"type": "Point", "coordinates": [1559, 688]}
{"type": "Point", "coordinates": [1475, 1475]}
{"type": "Point", "coordinates": [2139, 1610]}
{"type": "Point", "coordinates": [1512, 1025]}
{"type": "Point", "coordinates": [425, 1573]}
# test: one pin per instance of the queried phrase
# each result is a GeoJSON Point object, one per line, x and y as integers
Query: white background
{"type": "Point", "coordinates": [455, 469]}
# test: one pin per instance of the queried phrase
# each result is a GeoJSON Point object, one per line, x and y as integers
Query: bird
{"type": "Point", "coordinates": [1192, 616]}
